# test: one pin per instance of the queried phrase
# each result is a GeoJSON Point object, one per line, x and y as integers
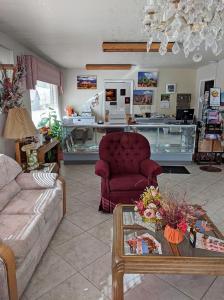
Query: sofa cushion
{"type": "Point", "coordinates": [8, 192]}
{"type": "Point", "coordinates": [131, 182]}
{"type": "Point", "coordinates": [37, 180]}
{"type": "Point", "coordinates": [34, 202]}
{"type": "Point", "coordinates": [9, 170]}
{"type": "Point", "coordinates": [20, 233]}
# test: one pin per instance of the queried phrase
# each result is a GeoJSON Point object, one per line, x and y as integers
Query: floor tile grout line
{"type": "Point", "coordinates": [208, 288]}
{"type": "Point", "coordinates": [164, 280]}
{"type": "Point", "coordinates": [68, 262]}
{"type": "Point", "coordinates": [56, 285]}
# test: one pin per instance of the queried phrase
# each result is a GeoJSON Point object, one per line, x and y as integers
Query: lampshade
{"type": "Point", "coordinates": [19, 124]}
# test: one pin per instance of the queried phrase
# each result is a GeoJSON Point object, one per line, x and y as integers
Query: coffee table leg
{"type": "Point", "coordinates": [117, 282]}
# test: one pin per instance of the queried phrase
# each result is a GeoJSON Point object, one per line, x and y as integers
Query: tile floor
{"type": "Point", "coordinates": [77, 263]}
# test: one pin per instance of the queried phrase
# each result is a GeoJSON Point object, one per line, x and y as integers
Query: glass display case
{"type": "Point", "coordinates": [168, 142]}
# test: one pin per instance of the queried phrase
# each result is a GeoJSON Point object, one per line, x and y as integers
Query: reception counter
{"type": "Point", "coordinates": [168, 142]}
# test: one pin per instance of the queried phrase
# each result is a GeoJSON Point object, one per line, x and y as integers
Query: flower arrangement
{"type": "Point", "coordinates": [10, 86]}
{"type": "Point", "coordinates": [175, 214]}
{"type": "Point", "coordinates": [149, 205]}
{"type": "Point", "coordinates": [171, 211]}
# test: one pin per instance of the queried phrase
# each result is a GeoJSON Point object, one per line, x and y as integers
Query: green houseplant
{"type": "Point", "coordinates": [49, 124]}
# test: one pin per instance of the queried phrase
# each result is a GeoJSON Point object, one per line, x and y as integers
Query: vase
{"type": "Point", "coordinates": [172, 235]}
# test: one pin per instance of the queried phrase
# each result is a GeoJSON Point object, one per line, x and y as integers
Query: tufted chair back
{"type": "Point", "coordinates": [124, 151]}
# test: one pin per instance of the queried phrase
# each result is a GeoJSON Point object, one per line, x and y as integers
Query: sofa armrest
{"type": "Point", "coordinates": [8, 270]}
{"type": "Point", "coordinates": [36, 180]}
{"type": "Point", "coordinates": [150, 168]}
{"type": "Point", "coordinates": [102, 169]}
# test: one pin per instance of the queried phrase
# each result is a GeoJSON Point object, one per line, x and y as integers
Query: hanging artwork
{"type": "Point", "coordinates": [127, 100]}
{"type": "Point", "coordinates": [122, 92]}
{"type": "Point", "coordinates": [147, 79]}
{"type": "Point", "coordinates": [183, 101]}
{"type": "Point", "coordinates": [111, 95]}
{"type": "Point", "coordinates": [143, 97]}
{"type": "Point", "coordinates": [165, 101]}
{"type": "Point", "coordinates": [86, 82]}
{"type": "Point", "coordinates": [171, 88]}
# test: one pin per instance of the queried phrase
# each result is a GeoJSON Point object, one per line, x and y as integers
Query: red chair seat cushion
{"type": "Point", "coordinates": [130, 182]}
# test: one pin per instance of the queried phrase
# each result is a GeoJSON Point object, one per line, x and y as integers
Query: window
{"type": "Point", "coordinates": [44, 96]}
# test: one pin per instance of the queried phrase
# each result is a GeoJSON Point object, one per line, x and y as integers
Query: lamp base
{"type": "Point", "coordinates": [210, 169]}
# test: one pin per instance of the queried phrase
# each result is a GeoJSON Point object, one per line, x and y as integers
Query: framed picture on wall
{"type": "Point", "coordinates": [171, 88]}
{"type": "Point", "coordinates": [143, 97]}
{"type": "Point", "coordinates": [183, 101]}
{"type": "Point", "coordinates": [127, 100]}
{"type": "Point", "coordinates": [147, 79]}
{"type": "Point", "coordinates": [122, 92]}
{"type": "Point", "coordinates": [111, 95]}
{"type": "Point", "coordinates": [86, 82]}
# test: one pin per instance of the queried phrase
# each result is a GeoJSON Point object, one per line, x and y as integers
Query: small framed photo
{"type": "Point", "coordinates": [127, 100]}
{"type": "Point", "coordinates": [171, 88]}
{"type": "Point", "coordinates": [122, 92]}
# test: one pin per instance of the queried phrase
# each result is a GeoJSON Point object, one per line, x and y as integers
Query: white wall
{"type": "Point", "coordinates": [211, 71]}
{"type": "Point", "coordinates": [184, 78]}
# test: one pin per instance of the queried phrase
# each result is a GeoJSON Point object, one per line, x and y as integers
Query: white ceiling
{"type": "Point", "coordinates": [71, 32]}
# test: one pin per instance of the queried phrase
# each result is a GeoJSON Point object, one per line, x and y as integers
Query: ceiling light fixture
{"type": "Point", "coordinates": [190, 24]}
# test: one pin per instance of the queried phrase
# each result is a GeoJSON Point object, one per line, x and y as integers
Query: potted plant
{"type": "Point", "coordinates": [50, 126]}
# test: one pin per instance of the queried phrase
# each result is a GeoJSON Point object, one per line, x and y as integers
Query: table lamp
{"type": "Point", "coordinates": [19, 126]}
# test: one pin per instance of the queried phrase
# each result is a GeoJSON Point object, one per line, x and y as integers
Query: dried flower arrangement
{"type": "Point", "coordinates": [10, 86]}
{"type": "Point", "coordinates": [170, 210]}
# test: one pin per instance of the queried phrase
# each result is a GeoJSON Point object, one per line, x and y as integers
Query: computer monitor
{"type": "Point", "coordinates": [185, 115]}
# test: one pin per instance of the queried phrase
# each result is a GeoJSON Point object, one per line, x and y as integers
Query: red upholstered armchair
{"type": "Point", "coordinates": [125, 168]}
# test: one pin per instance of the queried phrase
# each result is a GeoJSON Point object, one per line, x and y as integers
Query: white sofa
{"type": "Point", "coordinates": [31, 208]}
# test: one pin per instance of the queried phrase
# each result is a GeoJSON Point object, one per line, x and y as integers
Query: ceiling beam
{"type": "Point", "coordinates": [108, 66]}
{"type": "Point", "coordinates": [133, 47]}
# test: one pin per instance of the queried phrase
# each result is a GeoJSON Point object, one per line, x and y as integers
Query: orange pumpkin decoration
{"type": "Point", "coordinates": [174, 236]}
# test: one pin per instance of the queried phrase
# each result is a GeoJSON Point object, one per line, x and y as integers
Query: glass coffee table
{"type": "Point", "coordinates": [175, 259]}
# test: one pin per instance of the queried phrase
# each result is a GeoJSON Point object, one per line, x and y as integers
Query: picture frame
{"type": "Point", "coordinates": [171, 88]}
{"type": "Point", "coordinates": [165, 97]}
{"type": "Point", "coordinates": [127, 100]}
{"type": "Point", "coordinates": [86, 82]}
{"type": "Point", "coordinates": [122, 92]}
{"type": "Point", "coordinates": [147, 79]}
{"type": "Point", "coordinates": [165, 101]}
{"type": "Point", "coordinates": [143, 97]}
{"type": "Point", "coordinates": [111, 95]}
{"type": "Point", "coordinates": [183, 101]}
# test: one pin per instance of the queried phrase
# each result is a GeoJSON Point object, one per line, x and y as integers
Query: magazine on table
{"type": "Point", "coordinates": [144, 244]}
{"type": "Point", "coordinates": [209, 243]}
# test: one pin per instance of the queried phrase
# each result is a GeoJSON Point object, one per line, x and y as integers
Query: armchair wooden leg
{"type": "Point", "coordinates": [8, 258]}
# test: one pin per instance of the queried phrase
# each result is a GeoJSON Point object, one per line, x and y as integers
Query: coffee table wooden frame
{"type": "Point", "coordinates": [175, 264]}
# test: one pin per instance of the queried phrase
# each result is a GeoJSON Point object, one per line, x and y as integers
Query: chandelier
{"type": "Point", "coordinates": [190, 24]}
